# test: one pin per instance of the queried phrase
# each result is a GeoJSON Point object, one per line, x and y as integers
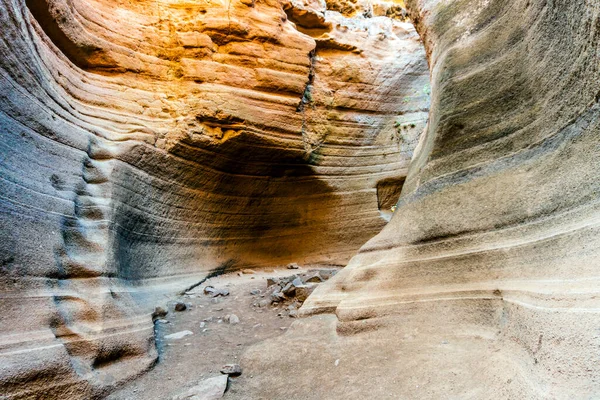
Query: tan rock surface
{"type": "Point", "coordinates": [146, 145]}
{"type": "Point", "coordinates": [485, 282]}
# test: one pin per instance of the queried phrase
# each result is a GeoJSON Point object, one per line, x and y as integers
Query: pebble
{"type": "Point", "coordinates": [272, 281]}
{"type": "Point", "coordinates": [314, 278]}
{"type": "Point", "coordinates": [234, 319]}
{"type": "Point", "coordinates": [297, 282]}
{"type": "Point", "coordinates": [159, 312]}
{"type": "Point", "coordinates": [264, 303]}
{"type": "Point", "coordinates": [179, 335]}
{"type": "Point", "coordinates": [232, 369]}
{"type": "Point", "coordinates": [214, 292]}
{"type": "Point", "coordinates": [179, 306]}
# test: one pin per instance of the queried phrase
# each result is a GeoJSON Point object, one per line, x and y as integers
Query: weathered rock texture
{"type": "Point", "coordinates": [147, 144]}
{"type": "Point", "coordinates": [485, 284]}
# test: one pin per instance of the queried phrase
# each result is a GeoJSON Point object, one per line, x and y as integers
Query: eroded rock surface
{"type": "Point", "coordinates": [485, 282]}
{"type": "Point", "coordinates": [146, 145]}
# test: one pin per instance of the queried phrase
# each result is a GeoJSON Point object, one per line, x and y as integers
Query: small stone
{"type": "Point", "coordinates": [289, 289]}
{"type": "Point", "coordinates": [272, 281]}
{"type": "Point", "coordinates": [178, 335]}
{"type": "Point", "coordinates": [255, 292]}
{"type": "Point", "coordinates": [314, 278]}
{"type": "Point", "coordinates": [158, 313]}
{"type": "Point", "coordinates": [209, 290]}
{"type": "Point", "coordinates": [264, 303]}
{"type": "Point", "coordinates": [326, 273]}
{"type": "Point", "coordinates": [208, 389]}
{"type": "Point", "coordinates": [162, 321]}
{"type": "Point", "coordinates": [214, 292]}
{"type": "Point", "coordinates": [248, 271]}
{"type": "Point", "coordinates": [297, 282]}
{"type": "Point", "coordinates": [337, 362]}
{"type": "Point", "coordinates": [209, 319]}
{"type": "Point", "coordinates": [293, 266]}
{"type": "Point", "coordinates": [179, 306]}
{"type": "Point", "coordinates": [202, 324]}
{"type": "Point", "coordinates": [293, 313]}
{"type": "Point", "coordinates": [283, 328]}
{"type": "Point", "coordinates": [232, 369]}
{"type": "Point", "coordinates": [277, 297]}
{"type": "Point", "coordinates": [234, 319]}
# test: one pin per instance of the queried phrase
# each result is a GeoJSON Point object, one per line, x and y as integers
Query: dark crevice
{"type": "Point", "coordinates": [307, 94]}
{"type": "Point", "coordinates": [222, 269]}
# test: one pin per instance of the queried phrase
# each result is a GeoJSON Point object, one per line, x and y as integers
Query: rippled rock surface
{"type": "Point", "coordinates": [485, 282]}
{"type": "Point", "coordinates": [145, 145]}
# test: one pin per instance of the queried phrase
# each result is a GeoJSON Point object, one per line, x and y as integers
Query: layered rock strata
{"type": "Point", "coordinates": [146, 145]}
{"type": "Point", "coordinates": [485, 282]}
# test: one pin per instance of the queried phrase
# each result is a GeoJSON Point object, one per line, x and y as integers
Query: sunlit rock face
{"type": "Point", "coordinates": [496, 237]}
{"type": "Point", "coordinates": [147, 144]}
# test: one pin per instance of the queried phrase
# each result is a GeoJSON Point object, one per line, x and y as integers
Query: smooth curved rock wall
{"type": "Point", "coordinates": [148, 144]}
{"type": "Point", "coordinates": [496, 235]}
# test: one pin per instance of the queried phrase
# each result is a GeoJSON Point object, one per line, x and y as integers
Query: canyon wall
{"type": "Point", "coordinates": [146, 145]}
{"type": "Point", "coordinates": [486, 280]}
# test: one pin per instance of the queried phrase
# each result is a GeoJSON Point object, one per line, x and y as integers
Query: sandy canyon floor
{"type": "Point", "coordinates": [216, 340]}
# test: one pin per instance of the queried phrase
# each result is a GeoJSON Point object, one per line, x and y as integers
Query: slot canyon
{"type": "Point", "coordinates": [344, 199]}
